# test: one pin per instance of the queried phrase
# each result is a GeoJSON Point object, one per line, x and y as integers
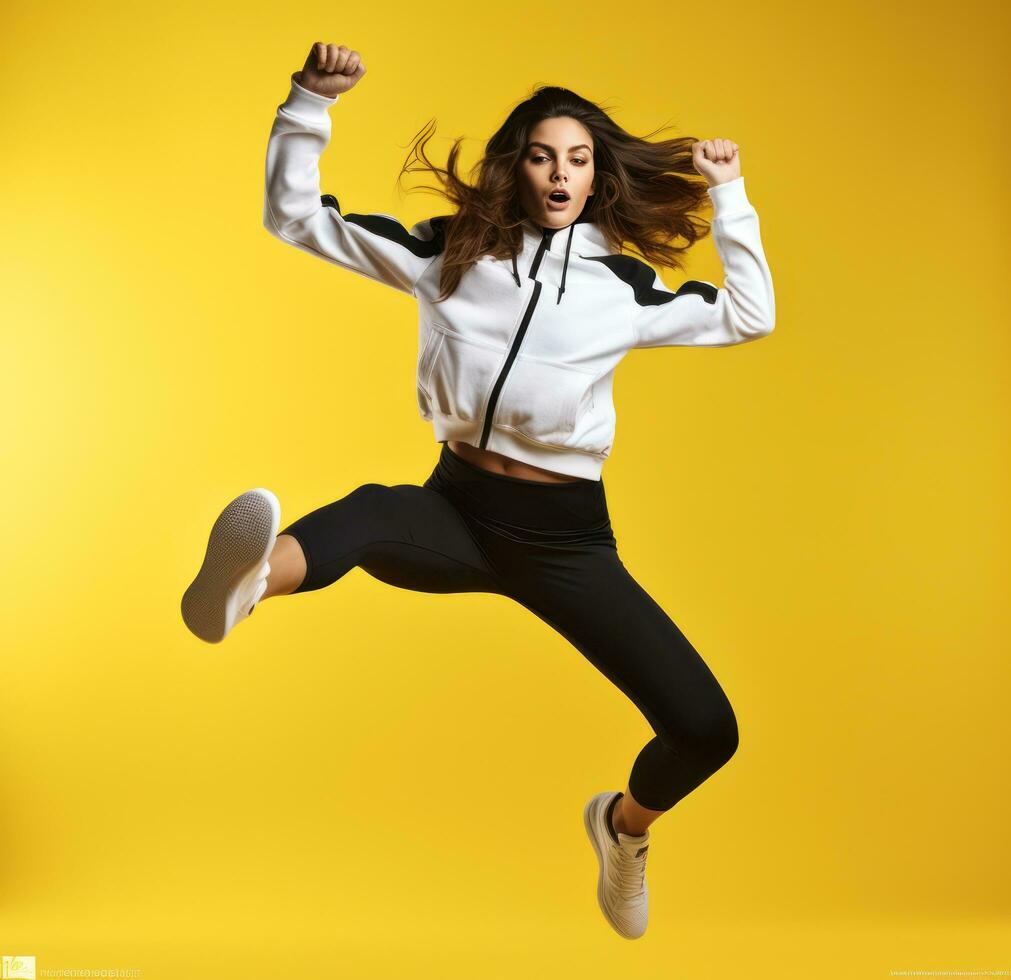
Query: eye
{"type": "Point", "coordinates": [540, 157]}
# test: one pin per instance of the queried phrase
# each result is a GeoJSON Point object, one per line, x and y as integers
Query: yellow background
{"type": "Point", "coordinates": [369, 782]}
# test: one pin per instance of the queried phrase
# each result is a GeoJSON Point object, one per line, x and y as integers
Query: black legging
{"type": "Point", "coordinates": [550, 547]}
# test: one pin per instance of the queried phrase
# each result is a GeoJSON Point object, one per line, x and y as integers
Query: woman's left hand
{"type": "Point", "coordinates": [716, 160]}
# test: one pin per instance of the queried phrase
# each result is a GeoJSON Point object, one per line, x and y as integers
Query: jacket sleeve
{"type": "Point", "coordinates": [373, 245]}
{"type": "Point", "coordinates": [700, 314]}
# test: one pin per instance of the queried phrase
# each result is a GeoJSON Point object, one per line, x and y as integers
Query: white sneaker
{"type": "Point", "coordinates": [234, 574]}
{"type": "Point", "coordinates": [621, 884]}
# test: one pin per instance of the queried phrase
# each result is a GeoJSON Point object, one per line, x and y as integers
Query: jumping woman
{"type": "Point", "coordinates": [527, 303]}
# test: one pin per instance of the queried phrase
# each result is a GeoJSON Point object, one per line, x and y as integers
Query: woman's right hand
{"type": "Point", "coordinates": [330, 69]}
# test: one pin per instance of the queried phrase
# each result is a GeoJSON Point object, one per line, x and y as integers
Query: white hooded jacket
{"type": "Point", "coordinates": [520, 358]}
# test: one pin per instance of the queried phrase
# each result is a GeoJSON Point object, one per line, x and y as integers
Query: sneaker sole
{"type": "Point", "coordinates": [590, 814]}
{"type": "Point", "coordinates": [239, 543]}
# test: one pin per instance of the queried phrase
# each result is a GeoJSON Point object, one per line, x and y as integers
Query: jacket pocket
{"type": "Point", "coordinates": [427, 358]}
{"type": "Point", "coordinates": [544, 401]}
{"type": "Point", "coordinates": [462, 374]}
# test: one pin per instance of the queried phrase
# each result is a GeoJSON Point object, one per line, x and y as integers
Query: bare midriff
{"type": "Point", "coordinates": [506, 465]}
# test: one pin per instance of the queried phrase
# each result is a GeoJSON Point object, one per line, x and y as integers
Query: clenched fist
{"type": "Point", "coordinates": [716, 160]}
{"type": "Point", "coordinates": [330, 69]}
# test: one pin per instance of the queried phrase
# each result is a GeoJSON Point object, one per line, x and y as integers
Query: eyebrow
{"type": "Point", "coordinates": [551, 149]}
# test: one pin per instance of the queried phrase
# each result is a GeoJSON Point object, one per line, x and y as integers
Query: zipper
{"type": "Point", "coordinates": [489, 413]}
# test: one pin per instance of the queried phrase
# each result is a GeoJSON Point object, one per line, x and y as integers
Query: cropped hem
{"type": "Point", "coordinates": [570, 462]}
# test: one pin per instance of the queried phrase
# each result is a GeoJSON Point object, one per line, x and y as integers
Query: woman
{"type": "Point", "coordinates": [526, 304]}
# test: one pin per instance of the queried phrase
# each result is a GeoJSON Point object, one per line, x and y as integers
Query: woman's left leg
{"type": "Point", "coordinates": [588, 596]}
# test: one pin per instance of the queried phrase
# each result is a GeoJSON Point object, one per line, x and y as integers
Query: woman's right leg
{"type": "Point", "coordinates": [408, 536]}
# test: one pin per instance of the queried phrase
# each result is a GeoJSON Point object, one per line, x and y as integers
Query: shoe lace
{"type": "Point", "coordinates": [628, 872]}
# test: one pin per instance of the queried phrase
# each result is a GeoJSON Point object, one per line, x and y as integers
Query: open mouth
{"type": "Point", "coordinates": [559, 198]}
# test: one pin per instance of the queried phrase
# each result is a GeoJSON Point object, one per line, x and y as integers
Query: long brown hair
{"type": "Point", "coordinates": [644, 195]}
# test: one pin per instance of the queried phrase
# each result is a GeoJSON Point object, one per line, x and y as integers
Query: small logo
{"type": "Point", "coordinates": [642, 850]}
{"type": "Point", "coordinates": [19, 967]}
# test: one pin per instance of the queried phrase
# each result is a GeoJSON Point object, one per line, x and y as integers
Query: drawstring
{"type": "Point", "coordinates": [565, 264]}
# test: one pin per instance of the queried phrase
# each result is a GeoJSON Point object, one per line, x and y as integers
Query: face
{"type": "Point", "coordinates": [559, 156]}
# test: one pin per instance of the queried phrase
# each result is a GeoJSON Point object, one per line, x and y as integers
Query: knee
{"type": "Point", "coordinates": [725, 738]}
{"type": "Point", "coordinates": [372, 500]}
{"type": "Point", "coordinates": [370, 491]}
{"type": "Point", "coordinates": [708, 737]}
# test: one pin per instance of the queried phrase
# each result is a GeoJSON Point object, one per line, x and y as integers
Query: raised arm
{"type": "Point", "coordinates": [699, 313]}
{"type": "Point", "coordinates": [377, 246]}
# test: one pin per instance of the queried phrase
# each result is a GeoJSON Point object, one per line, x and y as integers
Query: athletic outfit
{"type": "Point", "coordinates": [520, 360]}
